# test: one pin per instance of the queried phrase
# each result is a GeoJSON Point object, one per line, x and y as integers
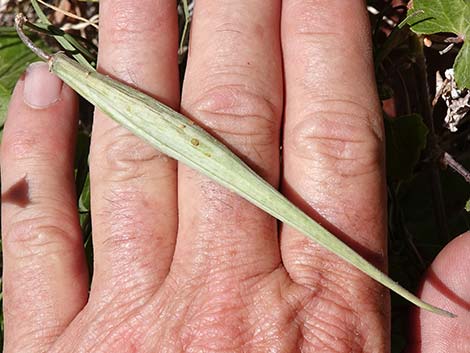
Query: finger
{"type": "Point", "coordinates": [233, 87]}
{"type": "Point", "coordinates": [45, 279]}
{"type": "Point", "coordinates": [333, 153]}
{"type": "Point", "coordinates": [133, 191]}
{"type": "Point", "coordinates": [446, 284]}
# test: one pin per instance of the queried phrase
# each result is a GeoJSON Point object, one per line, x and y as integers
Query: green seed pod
{"type": "Point", "coordinates": [180, 138]}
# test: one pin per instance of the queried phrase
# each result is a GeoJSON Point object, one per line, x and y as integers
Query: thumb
{"type": "Point", "coordinates": [447, 285]}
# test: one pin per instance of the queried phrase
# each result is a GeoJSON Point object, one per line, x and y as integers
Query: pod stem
{"type": "Point", "coordinates": [20, 21]}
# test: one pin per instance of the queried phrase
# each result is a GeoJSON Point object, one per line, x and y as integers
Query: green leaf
{"type": "Point", "coordinates": [14, 58]}
{"type": "Point", "coordinates": [467, 206]}
{"type": "Point", "coordinates": [4, 99]}
{"type": "Point", "coordinates": [65, 40]}
{"type": "Point", "coordinates": [462, 66]}
{"type": "Point", "coordinates": [450, 16]}
{"type": "Point", "coordinates": [405, 139]}
{"type": "Point", "coordinates": [84, 200]}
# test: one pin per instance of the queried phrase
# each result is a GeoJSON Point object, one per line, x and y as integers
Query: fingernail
{"type": "Point", "coordinates": [41, 88]}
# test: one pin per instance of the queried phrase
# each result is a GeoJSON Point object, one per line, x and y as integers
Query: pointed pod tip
{"type": "Point", "coordinates": [451, 315]}
{"type": "Point", "coordinates": [443, 312]}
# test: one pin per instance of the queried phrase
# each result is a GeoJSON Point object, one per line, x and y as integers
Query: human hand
{"type": "Point", "coordinates": [181, 264]}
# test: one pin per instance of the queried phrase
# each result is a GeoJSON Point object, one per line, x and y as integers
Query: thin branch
{"type": "Point", "coordinates": [448, 160]}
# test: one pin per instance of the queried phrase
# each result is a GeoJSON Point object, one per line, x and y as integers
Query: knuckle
{"type": "Point", "coordinates": [328, 276]}
{"type": "Point", "coordinates": [335, 277]}
{"type": "Point", "coordinates": [229, 28]}
{"type": "Point", "coordinates": [315, 26]}
{"type": "Point", "coordinates": [23, 144]}
{"type": "Point", "coordinates": [303, 16]}
{"type": "Point", "coordinates": [124, 157]}
{"type": "Point", "coordinates": [235, 114]}
{"type": "Point", "coordinates": [128, 25]}
{"type": "Point", "coordinates": [317, 17]}
{"type": "Point", "coordinates": [333, 305]}
{"type": "Point", "coordinates": [343, 140]}
{"type": "Point", "coordinates": [39, 237]}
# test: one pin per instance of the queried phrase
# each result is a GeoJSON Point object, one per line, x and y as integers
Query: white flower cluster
{"type": "Point", "coordinates": [457, 100]}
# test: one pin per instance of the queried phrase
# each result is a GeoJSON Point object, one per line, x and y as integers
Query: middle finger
{"type": "Point", "coordinates": [233, 88]}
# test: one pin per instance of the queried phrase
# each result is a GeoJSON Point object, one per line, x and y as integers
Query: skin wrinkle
{"type": "Point", "coordinates": [25, 148]}
{"type": "Point", "coordinates": [340, 154]}
{"type": "Point", "coordinates": [323, 341]}
{"type": "Point", "coordinates": [250, 324]}
{"type": "Point", "coordinates": [228, 207]}
{"type": "Point", "coordinates": [130, 227]}
{"type": "Point", "coordinates": [125, 28]}
{"type": "Point", "coordinates": [317, 20]}
{"type": "Point", "coordinates": [221, 290]}
{"type": "Point", "coordinates": [318, 209]}
{"type": "Point", "coordinates": [240, 118]}
{"type": "Point", "coordinates": [131, 290]}
{"type": "Point", "coordinates": [237, 74]}
{"type": "Point", "coordinates": [238, 101]}
{"type": "Point", "coordinates": [34, 237]}
{"type": "Point", "coordinates": [337, 211]}
{"type": "Point", "coordinates": [119, 315]}
{"type": "Point", "coordinates": [211, 334]}
{"type": "Point", "coordinates": [327, 277]}
{"type": "Point", "coordinates": [52, 208]}
{"type": "Point", "coordinates": [20, 143]}
{"type": "Point", "coordinates": [235, 273]}
{"type": "Point", "coordinates": [360, 226]}
{"type": "Point", "coordinates": [186, 317]}
{"type": "Point", "coordinates": [34, 276]}
{"type": "Point", "coordinates": [46, 341]}
{"type": "Point", "coordinates": [29, 273]}
{"type": "Point", "coordinates": [326, 322]}
{"type": "Point", "coordinates": [253, 223]}
{"type": "Point", "coordinates": [349, 129]}
{"type": "Point", "coordinates": [35, 312]}
{"type": "Point", "coordinates": [124, 154]}
{"type": "Point", "coordinates": [231, 29]}
{"type": "Point", "coordinates": [354, 117]}
{"type": "Point", "coordinates": [131, 207]}
{"type": "Point", "coordinates": [126, 333]}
